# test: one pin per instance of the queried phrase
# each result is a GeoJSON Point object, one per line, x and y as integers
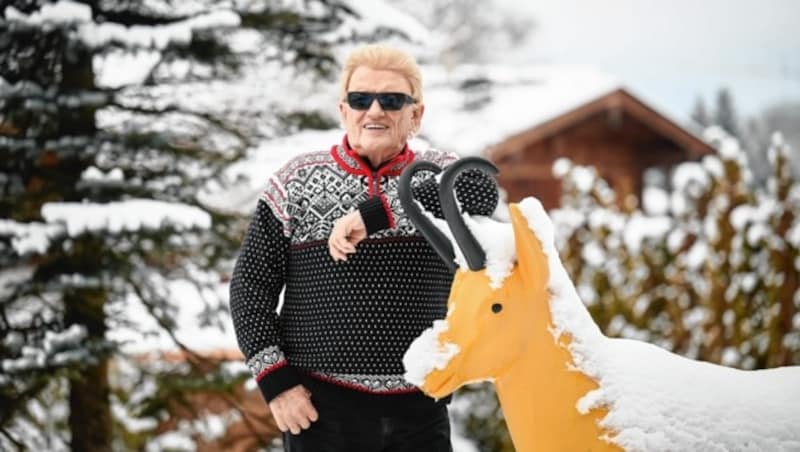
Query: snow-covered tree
{"type": "Point", "coordinates": [469, 31]}
{"type": "Point", "coordinates": [710, 270]}
{"type": "Point", "coordinates": [117, 118]}
{"type": "Point", "coordinates": [700, 114]}
{"type": "Point", "coordinates": [725, 113]}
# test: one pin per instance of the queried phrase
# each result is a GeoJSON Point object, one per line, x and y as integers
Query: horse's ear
{"type": "Point", "coordinates": [531, 260]}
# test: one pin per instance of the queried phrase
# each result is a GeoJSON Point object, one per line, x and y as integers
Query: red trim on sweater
{"type": "Point", "coordinates": [271, 369]}
{"type": "Point", "coordinates": [388, 210]}
{"type": "Point", "coordinates": [393, 167]}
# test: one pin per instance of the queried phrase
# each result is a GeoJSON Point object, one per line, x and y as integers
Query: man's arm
{"type": "Point", "coordinates": [258, 278]}
{"type": "Point", "coordinates": [475, 190]}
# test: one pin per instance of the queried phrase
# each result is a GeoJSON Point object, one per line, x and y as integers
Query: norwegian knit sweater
{"type": "Point", "coordinates": [343, 327]}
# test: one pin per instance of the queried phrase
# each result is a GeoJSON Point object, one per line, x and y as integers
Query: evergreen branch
{"type": "Point", "coordinates": [10, 438]}
{"type": "Point", "coordinates": [194, 358]}
{"type": "Point", "coordinates": [174, 109]}
{"type": "Point", "coordinates": [12, 405]}
{"type": "Point", "coordinates": [129, 17]}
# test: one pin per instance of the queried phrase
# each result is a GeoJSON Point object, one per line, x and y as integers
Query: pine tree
{"type": "Point", "coordinates": [700, 114]}
{"type": "Point", "coordinates": [100, 192]}
{"type": "Point", "coordinates": [725, 113]}
{"type": "Point", "coordinates": [462, 36]}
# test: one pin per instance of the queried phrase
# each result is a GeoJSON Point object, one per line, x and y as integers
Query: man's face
{"type": "Point", "coordinates": [375, 133]}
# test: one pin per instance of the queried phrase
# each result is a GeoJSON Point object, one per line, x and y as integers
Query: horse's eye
{"type": "Point", "coordinates": [497, 307]}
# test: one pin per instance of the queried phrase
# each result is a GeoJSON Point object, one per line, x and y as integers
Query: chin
{"type": "Point", "coordinates": [380, 147]}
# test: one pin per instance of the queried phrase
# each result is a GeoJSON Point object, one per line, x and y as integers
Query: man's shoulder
{"type": "Point", "coordinates": [295, 164]}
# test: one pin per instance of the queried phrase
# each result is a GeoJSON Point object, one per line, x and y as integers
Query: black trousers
{"type": "Point", "coordinates": [354, 432]}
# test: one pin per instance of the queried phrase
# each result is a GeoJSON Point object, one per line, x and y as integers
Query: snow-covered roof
{"type": "Point", "coordinates": [473, 107]}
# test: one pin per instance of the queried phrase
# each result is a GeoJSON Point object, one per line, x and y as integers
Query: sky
{"type": "Point", "coordinates": [672, 52]}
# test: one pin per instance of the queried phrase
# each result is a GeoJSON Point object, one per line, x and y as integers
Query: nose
{"type": "Point", "coordinates": [375, 108]}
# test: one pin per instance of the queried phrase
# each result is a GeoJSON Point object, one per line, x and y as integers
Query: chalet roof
{"type": "Point", "coordinates": [474, 107]}
{"type": "Point", "coordinates": [617, 100]}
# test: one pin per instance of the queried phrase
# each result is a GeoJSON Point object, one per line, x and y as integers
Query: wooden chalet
{"type": "Point", "coordinates": [616, 133]}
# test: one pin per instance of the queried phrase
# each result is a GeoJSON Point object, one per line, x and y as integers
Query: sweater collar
{"type": "Point", "coordinates": [351, 162]}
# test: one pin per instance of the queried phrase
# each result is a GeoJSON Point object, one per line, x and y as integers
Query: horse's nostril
{"type": "Point", "coordinates": [497, 307]}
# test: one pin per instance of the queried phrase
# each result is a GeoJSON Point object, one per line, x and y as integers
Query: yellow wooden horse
{"type": "Point", "coordinates": [563, 385]}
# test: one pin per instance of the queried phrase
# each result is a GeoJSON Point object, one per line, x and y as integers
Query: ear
{"type": "Point", "coordinates": [531, 260]}
{"type": "Point", "coordinates": [416, 116]}
{"type": "Point", "coordinates": [342, 113]}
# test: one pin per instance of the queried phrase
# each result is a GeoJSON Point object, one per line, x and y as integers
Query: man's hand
{"type": "Point", "coordinates": [293, 410]}
{"type": "Point", "coordinates": [347, 232]}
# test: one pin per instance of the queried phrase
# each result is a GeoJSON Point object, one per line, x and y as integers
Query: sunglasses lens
{"type": "Point", "coordinates": [360, 101]}
{"type": "Point", "coordinates": [391, 101]}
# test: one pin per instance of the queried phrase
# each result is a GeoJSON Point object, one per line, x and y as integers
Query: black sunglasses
{"type": "Point", "coordinates": [360, 100]}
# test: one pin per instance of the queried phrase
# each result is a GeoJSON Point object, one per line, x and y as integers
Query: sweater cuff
{"type": "Point", "coordinates": [279, 379]}
{"type": "Point", "coordinates": [374, 214]}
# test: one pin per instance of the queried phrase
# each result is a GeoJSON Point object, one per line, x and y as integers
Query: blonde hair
{"type": "Point", "coordinates": [382, 57]}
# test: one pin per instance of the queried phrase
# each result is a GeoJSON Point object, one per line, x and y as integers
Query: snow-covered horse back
{"type": "Point", "coordinates": [561, 383]}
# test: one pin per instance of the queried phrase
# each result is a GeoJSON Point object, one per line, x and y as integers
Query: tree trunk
{"type": "Point", "coordinates": [90, 420]}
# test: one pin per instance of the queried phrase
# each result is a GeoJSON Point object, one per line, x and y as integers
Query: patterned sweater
{"type": "Point", "coordinates": [343, 327]}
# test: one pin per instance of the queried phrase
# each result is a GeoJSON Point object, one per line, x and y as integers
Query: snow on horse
{"type": "Point", "coordinates": [515, 318]}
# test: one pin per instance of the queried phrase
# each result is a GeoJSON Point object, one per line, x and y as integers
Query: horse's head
{"type": "Point", "coordinates": [488, 325]}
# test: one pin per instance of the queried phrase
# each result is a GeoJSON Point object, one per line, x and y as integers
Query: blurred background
{"type": "Point", "coordinates": [137, 135]}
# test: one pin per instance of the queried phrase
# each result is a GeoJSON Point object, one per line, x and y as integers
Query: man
{"type": "Point", "coordinates": [360, 282]}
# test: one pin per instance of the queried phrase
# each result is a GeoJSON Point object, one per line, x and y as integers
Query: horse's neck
{"type": "Point", "coordinates": [539, 396]}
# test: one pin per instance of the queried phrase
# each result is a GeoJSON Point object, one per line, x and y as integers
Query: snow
{"type": "Point", "coordinates": [97, 35]}
{"type": "Point", "coordinates": [58, 349]}
{"type": "Point", "coordinates": [516, 99]}
{"type": "Point", "coordinates": [671, 403]}
{"type": "Point", "coordinates": [640, 228]}
{"type": "Point", "coordinates": [500, 252]}
{"type": "Point", "coordinates": [30, 237]}
{"type": "Point", "coordinates": [55, 341]}
{"type": "Point", "coordinates": [173, 441]}
{"type": "Point", "coordinates": [93, 173]}
{"type": "Point", "coordinates": [131, 215]}
{"type": "Point", "coordinates": [561, 167]}
{"type": "Point", "coordinates": [426, 353]}
{"type": "Point", "coordinates": [63, 11]}
{"type": "Point", "coordinates": [688, 175]}
{"type": "Point", "coordinates": [697, 255]}
{"type": "Point", "coordinates": [655, 201]}
{"type": "Point", "coordinates": [143, 334]}
{"type": "Point", "coordinates": [117, 68]}
{"type": "Point", "coordinates": [376, 15]}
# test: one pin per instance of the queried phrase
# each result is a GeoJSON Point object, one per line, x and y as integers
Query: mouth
{"type": "Point", "coordinates": [375, 127]}
{"type": "Point", "coordinates": [440, 383]}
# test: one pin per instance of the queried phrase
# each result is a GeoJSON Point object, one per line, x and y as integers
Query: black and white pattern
{"type": "Point", "coordinates": [383, 384]}
{"type": "Point", "coordinates": [346, 323]}
{"type": "Point", "coordinates": [266, 360]}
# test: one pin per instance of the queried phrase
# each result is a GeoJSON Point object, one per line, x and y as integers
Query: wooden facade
{"type": "Point", "coordinates": [617, 134]}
